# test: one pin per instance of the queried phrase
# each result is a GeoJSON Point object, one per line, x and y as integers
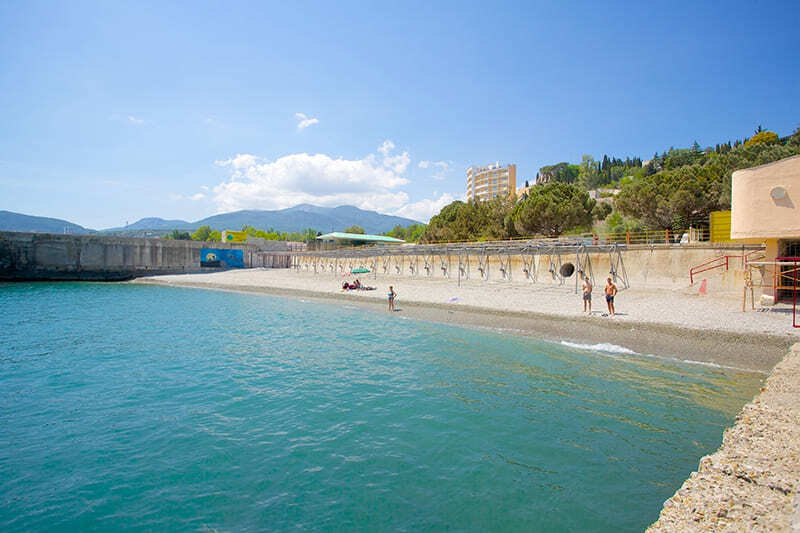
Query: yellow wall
{"type": "Point", "coordinates": [720, 226]}
{"type": "Point", "coordinates": [756, 213]}
{"type": "Point", "coordinates": [234, 236]}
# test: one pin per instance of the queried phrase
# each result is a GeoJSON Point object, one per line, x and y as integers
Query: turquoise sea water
{"type": "Point", "coordinates": [126, 407]}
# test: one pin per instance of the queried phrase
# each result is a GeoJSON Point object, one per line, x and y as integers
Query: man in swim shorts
{"type": "Point", "coordinates": [587, 295]}
{"type": "Point", "coordinates": [611, 291]}
{"type": "Point", "coordinates": [392, 294]}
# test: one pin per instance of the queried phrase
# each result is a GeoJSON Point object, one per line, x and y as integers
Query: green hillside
{"type": "Point", "coordinates": [673, 190]}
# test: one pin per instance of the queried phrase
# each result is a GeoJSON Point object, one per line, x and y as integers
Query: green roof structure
{"type": "Point", "coordinates": [339, 236]}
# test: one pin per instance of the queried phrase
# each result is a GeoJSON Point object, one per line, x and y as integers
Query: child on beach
{"type": "Point", "coordinates": [392, 294]}
{"type": "Point", "coordinates": [587, 295]}
{"type": "Point", "coordinates": [611, 291]}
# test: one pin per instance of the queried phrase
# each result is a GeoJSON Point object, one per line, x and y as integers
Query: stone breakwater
{"type": "Point", "coordinates": [752, 483]}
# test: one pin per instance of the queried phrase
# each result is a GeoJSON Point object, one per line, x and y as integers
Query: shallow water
{"type": "Point", "coordinates": [129, 407]}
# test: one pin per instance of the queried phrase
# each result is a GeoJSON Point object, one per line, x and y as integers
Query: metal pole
{"type": "Point", "coordinates": [459, 268]}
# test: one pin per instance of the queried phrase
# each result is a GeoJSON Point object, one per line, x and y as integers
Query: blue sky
{"type": "Point", "coordinates": [113, 111]}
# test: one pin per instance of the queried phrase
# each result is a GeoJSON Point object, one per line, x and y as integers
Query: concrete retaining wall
{"type": "Point", "coordinates": [41, 256]}
{"type": "Point", "coordinates": [647, 266]}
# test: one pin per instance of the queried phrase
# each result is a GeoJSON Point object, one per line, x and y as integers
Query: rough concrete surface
{"type": "Point", "coordinates": [752, 483]}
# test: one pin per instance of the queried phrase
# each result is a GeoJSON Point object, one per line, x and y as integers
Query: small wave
{"type": "Point", "coordinates": [600, 347]}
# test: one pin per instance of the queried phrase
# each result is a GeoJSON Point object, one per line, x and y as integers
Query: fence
{"type": "Point", "coordinates": [663, 236]}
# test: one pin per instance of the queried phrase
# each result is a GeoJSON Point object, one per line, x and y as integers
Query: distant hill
{"type": "Point", "coordinates": [152, 223]}
{"type": "Point", "coordinates": [10, 221]}
{"type": "Point", "coordinates": [297, 218]}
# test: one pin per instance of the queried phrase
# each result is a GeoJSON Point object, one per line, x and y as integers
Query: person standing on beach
{"type": "Point", "coordinates": [392, 294]}
{"type": "Point", "coordinates": [587, 295]}
{"type": "Point", "coordinates": [611, 291]}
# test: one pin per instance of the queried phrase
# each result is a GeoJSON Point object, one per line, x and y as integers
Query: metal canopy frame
{"type": "Point", "coordinates": [396, 259]}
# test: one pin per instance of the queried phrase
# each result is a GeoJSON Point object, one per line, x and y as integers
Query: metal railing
{"type": "Point", "coordinates": [664, 236]}
{"type": "Point", "coordinates": [723, 262]}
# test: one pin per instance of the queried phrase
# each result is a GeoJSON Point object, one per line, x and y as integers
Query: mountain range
{"type": "Point", "coordinates": [10, 221]}
{"type": "Point", "coordinates": [297, 218]}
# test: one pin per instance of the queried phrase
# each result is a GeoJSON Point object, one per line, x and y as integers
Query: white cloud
{"type": "Point", "coordinates": [386, 147]}
{"type": "Point", "coordinates": [374, 182]}
{"type": "Point", "coordinates": [305, 121]}
{"type": "Point", "coordinates": [204, 187]}
{"type": "Point", "coordinates": [135, 121]}
{"type": "Point", "coordinates": [257, 183]}
{"type": "Point", "coordinates": [399, 163]}
{"type": "Point", "coordinates": [193, 197]}
{"type": "Point", "coordinates": [425, 209]}
{"type": "Point", "coordinates": [440, 168]}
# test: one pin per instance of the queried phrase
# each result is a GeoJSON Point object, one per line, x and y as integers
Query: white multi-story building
{"type": "Point", "coordinates": [485, 183]}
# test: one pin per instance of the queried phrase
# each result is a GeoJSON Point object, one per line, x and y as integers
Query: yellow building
{"type": "Point", "coordinates": [234, 236]}
{"type": "Point", "coordinates": [485, 183]}
{"type": "Point", "coordinates": [765, 207]}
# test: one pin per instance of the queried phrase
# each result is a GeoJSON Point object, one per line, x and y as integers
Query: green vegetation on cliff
{"type": "Point", "coordinates": [673, 190]}
{"type": "Point", "coordinates": [682, 193]}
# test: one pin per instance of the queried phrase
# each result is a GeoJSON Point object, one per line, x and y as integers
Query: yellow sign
{"type": "Point", "coordinates": [234, 236]}
{"type": "Point", "coordinates": [720, 230]}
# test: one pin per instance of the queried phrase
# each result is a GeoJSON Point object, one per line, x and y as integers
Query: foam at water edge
{"type": "Point", "coordinates": [609, 348]}
{"type": "Point", "coordinates": [600, 347]}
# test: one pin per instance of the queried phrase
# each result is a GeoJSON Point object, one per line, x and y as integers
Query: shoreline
{"type": "Point", "coordinates": [752, 482]}
{"type": "Point", "coordinates": [748, 352]}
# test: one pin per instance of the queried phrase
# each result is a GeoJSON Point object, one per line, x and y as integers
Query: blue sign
{"type": "Point", "coordinates": [213, 257]}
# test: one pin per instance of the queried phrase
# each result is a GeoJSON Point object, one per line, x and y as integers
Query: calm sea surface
{"type": "Point", "coordinates": [126, 407]}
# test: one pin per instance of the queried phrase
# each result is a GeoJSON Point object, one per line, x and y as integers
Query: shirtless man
{"type": "Point", "coordinates": [611, 291]}
{"type": "Point", "coordinates": [587, 295]}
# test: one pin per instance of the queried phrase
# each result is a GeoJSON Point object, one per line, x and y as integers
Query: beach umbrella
{"type": "Point", "coordinates": [359, 270]}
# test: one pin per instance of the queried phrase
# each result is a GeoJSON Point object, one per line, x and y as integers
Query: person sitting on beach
{"type": "Point", "coordinates": [611, 291]}
{"type": "Point", "coordinates": [587, 295]}
{"type": "Point", "coordinates": [392, 295]}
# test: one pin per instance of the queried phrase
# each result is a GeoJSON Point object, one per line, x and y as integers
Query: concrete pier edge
{"type": "Point", "coordinates": [752, 483]}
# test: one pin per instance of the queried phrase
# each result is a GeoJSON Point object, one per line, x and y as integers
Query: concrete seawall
{"type": "Point", "coordinates": [752, 483]}
{"type": "Point", "coordinates": [647, 266]}
{"type": "Point", "coordinates": [42, 256]}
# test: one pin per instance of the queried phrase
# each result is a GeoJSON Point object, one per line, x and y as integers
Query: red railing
{"type": "Point", "coordinates": [795, 323]}
{"type": "Point", "coordinates": [711, 264]}
{"type": "Point", "coordinates": [722, 261]}
{"type": "Point", "coordinates": [786, 277]}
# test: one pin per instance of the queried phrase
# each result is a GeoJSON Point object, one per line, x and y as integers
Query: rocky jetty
{"type": "Point", "coordinates": [752, 483]}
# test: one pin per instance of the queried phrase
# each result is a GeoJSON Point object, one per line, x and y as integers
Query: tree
{"type": "Point", "coordinates": [601, 211]}
{"type": "Point", "coordinates": [460, 221]}
{"type": "Point", "coordinates": [588, 173]}
{"type": "Point", "coordinates": [177, 235]}
{"type": "Point", "coordinates": [411, 233]}
{"type": "Point", "coordinates": [355, 229]}
{"type": "Point", "coordinates": [691, 192]}
{"type": "Point", "coordinates": [214, 236]}
{"type": "Point", "coordinates": [553, 209]}
{"type": "Point", "coordinates": [202, 234]}
{"type": "Point", "coordinates": [562, 172]}
{"type": "Point", "coordinates": [762, 137]}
